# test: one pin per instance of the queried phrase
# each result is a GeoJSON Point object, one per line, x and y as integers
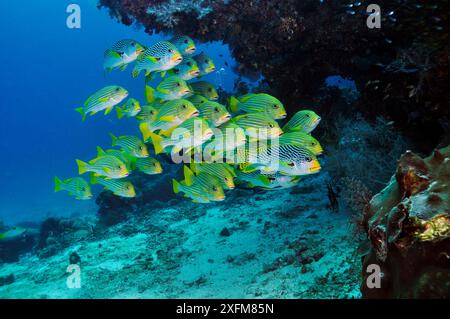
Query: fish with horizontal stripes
{"type": "Point", "coordinates": [184, 44]}
{"type": "Point", "coordinates": [108, 166]}
{"type": "Point", "coordinates": [201, 188]}
{"type": "Point", "coordinates": [160, 57]}
{"type": "Point", "coordinates": [76, 187]}
{"type": "Point", "coordinates": [104, 99]}
{"type": "Point", "coordinates": [186, 70]}
{"type": "Point", "coordinates": [204, 89]}
{"type": "Point", "coordinates": [170, 88]}
{"type": "Point", "coordinates": [258, 126]}
{"type": "Point", "coordinates": [121, 54]}
{"type": "Point", "coordinates": [303, 121]}
{"type": "Point", "coordinates": [118, 187]}
{"type": "Point", "coordinates": [205, 63]}
{"type": "Point", "coordinates": [215, 113]}
{"type": "Point", "coordinates": [223, 171]}
{"type": "Point", "coordinates": [261, 102]}
{"type": "Point", "coordinates": [130, 144]}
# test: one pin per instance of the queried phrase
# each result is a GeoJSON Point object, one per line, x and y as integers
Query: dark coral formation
{"type": "Point", "coordinates": [408, 226]}
{"type": "Point", "coordinates": [402, 70]}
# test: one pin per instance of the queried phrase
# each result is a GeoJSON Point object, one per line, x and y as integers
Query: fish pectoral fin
{"type": "Point", "coordinates": [264, 179]}
{"type": "Point", "coordinates": [163, 91]}
{"type": "Point", "coordinates": [167, 118]}
{"type": "Point", "coordinates": [103, 99]}
{"type": "Point", "coordinates": [123, 67]}
{"type": "Point", "coordinates": [106, 169]}
{"type": "Point", "coordinates": [152, 58]}
{"type": "Point", "coordinates": [108, 110]}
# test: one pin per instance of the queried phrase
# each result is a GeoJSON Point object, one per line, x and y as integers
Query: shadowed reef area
{"type": "Point", "coordinates": [401, 70]}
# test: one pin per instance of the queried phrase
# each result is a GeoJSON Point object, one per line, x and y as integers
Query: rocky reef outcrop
{"type": "Point", "coordinates": [401, 70]}
{"type": "Point", "coordinates": [408, 226]}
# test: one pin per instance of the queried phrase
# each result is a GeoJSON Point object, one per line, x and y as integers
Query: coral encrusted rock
{"type": "Point", "coordinates": [408, 226]}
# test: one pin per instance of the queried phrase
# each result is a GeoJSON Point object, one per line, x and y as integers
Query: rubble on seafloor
{"type": "Point", "coordinates": [284, 244]}
{"type": "Point", "coordinates": [408, 225]}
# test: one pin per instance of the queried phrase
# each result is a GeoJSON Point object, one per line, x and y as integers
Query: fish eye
{"type": "Point", "coordinates": [275, 106]}
{"type": "Point", "coordinates": [170, 50]}
{"type": "Point", "coordinates": [214, 188]}
{"type": "Point", "coordinates": [158, 59]}
{"type": "Point", "coordinates": [226, 179]}
{"type": "Point", "coordinates": [186, 41]}
{"type": "Point", "coordinates": [117, 89]}
{"type": "Point", "coordinates": [83, 189]}
{"type": "Point", "coordinates": [307, 115]}
{"type": "Point", "coordinates": [133, 44]}
{"type": "Point", "coordinates": [202, 101]}
{"type": "Point", "coordinates": [308, 159]}
{"type": "Point", "coordinates": [210, 90]}
{"type": "Point", "coordinates": [216, 109]}
{"type": "Point", "coordinates": [313, 143]}
{"type": "Point", "coordinates": [189, 64]}
{"type": "Point", "coordinates": [271, 125]}
{"type": "Point", "coordinates": [291, 164]}
{"type": "Point", "coordinates": [141, 148]}
{"type": "Point", "coordinates": [271, 178]}
{"type": "Point", "coordinates": [184, 106]}
{"type": "Point", "coordinates": [178, 84]}
{"type": "Point", "coordinates": [128, 187]}
{"type": "Point", "coordinates": [206, 61]}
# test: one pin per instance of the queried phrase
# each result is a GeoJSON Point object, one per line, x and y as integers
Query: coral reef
{"type": "Point", "coordinates": [401, 70]}
{"type": "Point", "coordinates": [408, 225]}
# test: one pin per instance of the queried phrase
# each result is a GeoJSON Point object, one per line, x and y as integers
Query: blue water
{"type": "Point", "coordinates": [47, 71]}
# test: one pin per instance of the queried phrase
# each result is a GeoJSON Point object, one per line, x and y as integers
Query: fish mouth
{"type": "Point", "coordinates": [283, 116]}
{"type": "Point", "coordinates": [195, 73]}
{"type": "Point", "coordinates": [196, 113]}
{"type": "Point", "coordinates": [178, 59]}
{"type": "Point", "coordinates": [191, 50]}
{"type": "Point", "coordinates": [227, 117]}
{"type": "Point", "coordinates": [315, 169]}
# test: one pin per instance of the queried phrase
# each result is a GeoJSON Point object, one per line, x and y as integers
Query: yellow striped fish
{"type": "Point", "coordinates": [120, 188]}
{"type": "Point", "coordinates": [170, 115]}
{"type": "Point", "coordinates": [171, 88]}
{"type": "Point", "coordinates": [108, 166]}
{"type": "Point", "coordinates": [258, 126]}
{"type": "Point", "coordinates": [224, 172]}
{"type": "Point", "coordinates": [262, 102]}
{"type": "Point", "coordinates": [204, 89]}
{"type": "Point", "coordinates": [302, 139]}
{"type": "Point", "coordinates": [186, 70]}
{"type": "Point", "coordinates": [202, 188]}
{"type": "Point", "coordinates": [215, 113]}
{"type": "Point", "coordinates": [121, 54]}
{"type": "Point", "coordinates": [161, 56]}
{"type": "Point", "coordinates": [304, 121]}
{"type": "Point", "coordinates": [130, 144]}
{"type": "Point", "coordinates": [130, 109]}
{"type": "Point", "coordinates": [104, 99]}
{"type": "Point", "coordinates": [184, 44]}
{"type": "Point", "coordinates": [205, 63]}
{"type": "Point", "coordinates": [76, 186]}
{"type": "Point", "coordinates": [149, 166]}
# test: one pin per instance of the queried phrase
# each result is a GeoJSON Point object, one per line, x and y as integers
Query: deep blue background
{"type": "Point", "coordinates": [48, 70]}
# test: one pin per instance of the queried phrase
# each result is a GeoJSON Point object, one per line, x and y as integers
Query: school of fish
{"type": "Point", "coordinates": [240, 144]}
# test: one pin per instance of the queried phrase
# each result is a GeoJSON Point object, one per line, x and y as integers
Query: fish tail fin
{"type": "Point", "coordinates": [234, 104]}
{"type": "Point", "coordinates": [81, 111]}
{"type": "Point", "coordinates": [176, 186]}
{"type": "Point", "coordinates": [157, 142]}
{"type": "Point", "coordinates": [135, 72]}
{"type": "Point", "coordinates": [145, 130]}
{"type": "Point", "coordinates": [58, 184]}
{"type": "Point", "coordinates": [100, 152]}
{"type": "Point", "coordinates": [193, 167]}
{"type": "Point", "coordinates": [113, 138]}
{"type": "Point", "coordinates": [188, 175]}
{"type": "Point", "coordinates": [82, 167]}
{"type": "Point", "coordinates": [119, 111]}
{"type": "Point", "coordinates": [149, 94]}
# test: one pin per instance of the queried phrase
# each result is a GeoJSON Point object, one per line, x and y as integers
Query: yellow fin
{"type": "Point", "coordinates": [176, 186]}
{"type": "Point", "coordinates": [188, 175]}
{"type": "Point", "coordinates": [167, 118]}
{"type": "Point", "coordinates": [156, 140]}
{"type": "Point", "coordinates": [58, 184]}
{"type": "Point", "coordinates": [149, 94]}
{"type": "Point", "coordinates": [81, 167]}
{"type": "Point", "coordinates": [234, 104]}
